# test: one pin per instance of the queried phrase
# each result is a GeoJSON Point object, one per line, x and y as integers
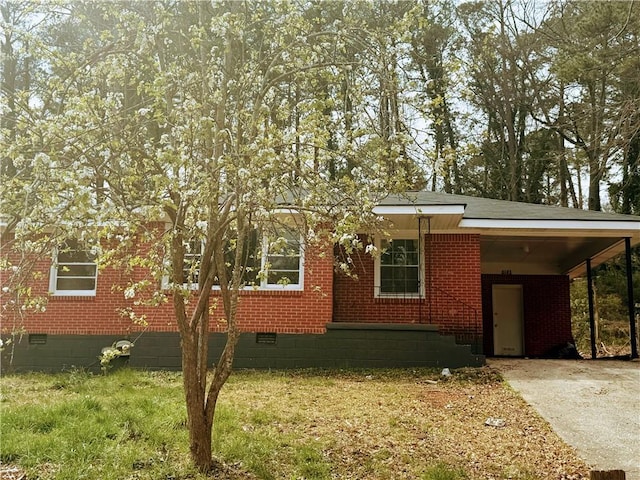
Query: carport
{"type": "Point", "coordinates": [571, 246]}
{"type": "Point", "coordinates": [522, 243]}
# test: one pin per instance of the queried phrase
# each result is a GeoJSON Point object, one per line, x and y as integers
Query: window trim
{"type": "Point", "coordinates": [53, 279]}
{"type": "Point", "coordinates": [190, 285]}
{"type": "Point", "coordinates": [377, 276]}
{"type": "Point", "coordinates": [264, 284]}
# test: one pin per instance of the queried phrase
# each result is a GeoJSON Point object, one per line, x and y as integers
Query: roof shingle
{"type": "Point", "coordinates": [486, 208]}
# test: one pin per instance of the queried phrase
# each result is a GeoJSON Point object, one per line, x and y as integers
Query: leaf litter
{"type": "Point", "coordinates": [397, 423]}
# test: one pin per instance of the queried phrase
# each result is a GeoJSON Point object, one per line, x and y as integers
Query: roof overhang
{"type": "Point", "coordinates": [550, 227]}
{"type": "Point", "coordinates": [420, 210]}
{"type": "Point", "coordinates": [553, 255]}
{"type": "Point", "coordinates": [433, 217]}
{"type": "Point", "coordinates": [549, 246]}
{"type": "Point", "coordinates": [520, 245]}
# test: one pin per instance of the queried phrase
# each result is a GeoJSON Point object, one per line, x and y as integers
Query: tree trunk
{"type": "Point", "coordinates": [8, 85]}
{"type": "Point", "coordinates": [580, 189]}
{"type": "Point", "coordinates": [595, 176]}
{"type": "Point", "coordinates": [631, 180]}
{"type": "Point", "coordinates": [200, 446]}
{"type": "Point", "coordinates": [200, 428]}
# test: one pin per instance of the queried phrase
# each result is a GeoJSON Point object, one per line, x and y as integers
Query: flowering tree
{"type": "Point", "coordinates": [189, 125]}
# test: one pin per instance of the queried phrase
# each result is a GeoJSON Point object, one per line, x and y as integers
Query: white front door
{"type": "Point", "coordinates": [508, 331]}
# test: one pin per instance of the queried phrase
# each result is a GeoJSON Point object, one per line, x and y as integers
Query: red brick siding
{"type": "Point", "coordinates": [453, 302]}
{"type": "Point", "coordinates": [547, 310]}
{"type": "Point", "coordinates": [306, 311]}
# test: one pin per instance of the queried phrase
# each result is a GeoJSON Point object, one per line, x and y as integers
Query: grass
{"type": "Point", "coordinates": [383, 424]}
{"type": "Point", "coordinates": [81, 426]}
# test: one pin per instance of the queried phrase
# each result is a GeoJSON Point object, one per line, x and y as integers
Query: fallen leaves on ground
{"type": "Point", "coordinates": [396, 425]}
{"type": "Point", "coordinates": [11, 472]}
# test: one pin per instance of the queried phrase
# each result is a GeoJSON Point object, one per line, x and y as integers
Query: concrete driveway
{"type": "Point", "coordinates": [593, 405]}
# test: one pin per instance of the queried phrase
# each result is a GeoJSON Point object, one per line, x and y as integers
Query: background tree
{"type": "Point", "coordinates": [434, 43]}
{"type": "Point", "coordinates": [500, 45]}
{"type": "Point", "coordinates": [595, 47]}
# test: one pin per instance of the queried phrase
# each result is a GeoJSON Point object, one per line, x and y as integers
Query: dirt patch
{"type": "Point", "coordinates": [441, 398]}
{"type": "Point", "coordinates": [11, 472]}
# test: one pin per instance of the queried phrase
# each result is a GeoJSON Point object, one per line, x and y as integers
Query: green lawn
{"type": "Point", "coordinates": [279, 425]}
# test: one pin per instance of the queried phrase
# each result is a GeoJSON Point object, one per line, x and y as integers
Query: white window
{"type": "Point", "coordinates": [74, 271]}
{"type": "Point", "coordinates": [399, 268]}
{"type": "Point", "coordinates": [270, 264]}
{"type": "Point", "coordinates": [192, 258]}
{"type": "Point", "coordinates": [282, 261]}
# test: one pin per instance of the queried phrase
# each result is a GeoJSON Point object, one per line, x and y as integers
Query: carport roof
{"type": "Point", "coordinates": [488, 208]}
{"type": "Point", "coordinates": [515, 236]}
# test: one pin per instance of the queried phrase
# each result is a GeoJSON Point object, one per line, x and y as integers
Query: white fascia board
{"type": "Point", "coordinates": [547, 225]}
{"type": "Point", "coordinates": [424, 210]}
{"type": "Point", "coordinates": [286, 211]}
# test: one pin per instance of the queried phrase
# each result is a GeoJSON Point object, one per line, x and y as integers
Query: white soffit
{"type": "Point", "coordinates": [545, 227]}
{"type": "Point", "coordinates": [424, 211]}
{"type": "Point", "coordinates": [431, 217]}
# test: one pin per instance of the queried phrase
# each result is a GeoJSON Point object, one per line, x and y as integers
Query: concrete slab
{"type": "Point", "coordinates": [593, 405]}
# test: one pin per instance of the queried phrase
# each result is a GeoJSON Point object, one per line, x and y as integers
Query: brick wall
{"type": "Point", "coordinates": [457, 302]}
{"type": "Point", "coordinates": [283, 311]}
{"type": "Point", "coordinates": [454, 301]}
{"type": "Point", "coordinates": [547, 310]}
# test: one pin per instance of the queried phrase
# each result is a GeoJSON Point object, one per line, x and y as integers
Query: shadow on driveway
{"type": "Point", "coordinates": [593, 405]}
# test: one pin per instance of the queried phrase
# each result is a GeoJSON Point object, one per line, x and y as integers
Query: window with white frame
{"type": "Point", "coordinates": [252, 259]}
{"type": "Point", "coordinates": [74, 271]}
{"type": "Point", "coordinates": [283, 260]}
{"type": "Point", "coordinates": [272, 263]}
{"type": "Point", "coordinates": [192, 258]}
{"type": "Point", "coordinates": [398, 268]}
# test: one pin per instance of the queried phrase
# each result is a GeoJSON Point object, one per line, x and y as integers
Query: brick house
{"type": "Point", "coordinates": [459, 278]}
